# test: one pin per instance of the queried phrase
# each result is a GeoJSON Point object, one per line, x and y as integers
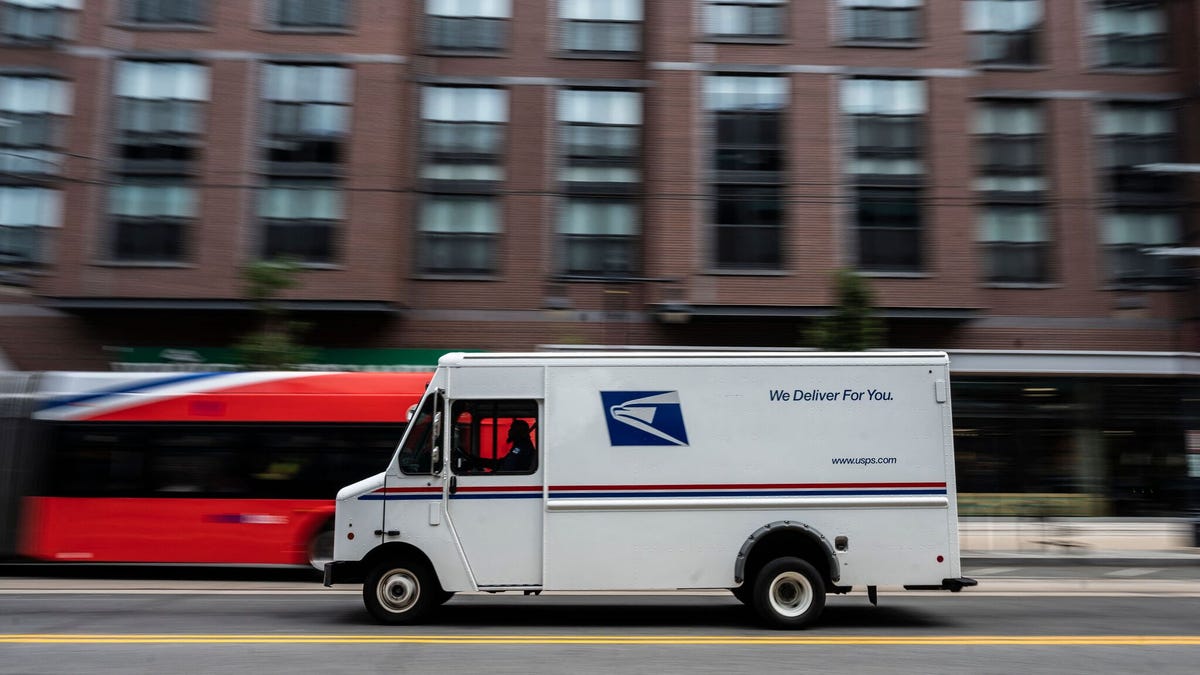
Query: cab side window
{"type": "Point", "coordinates": [415, 455]}
{"type": "Point", "coordinates": [494, 437]}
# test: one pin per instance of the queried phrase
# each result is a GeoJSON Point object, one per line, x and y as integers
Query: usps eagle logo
{"type": "Point", "coordinates": [644, 417]}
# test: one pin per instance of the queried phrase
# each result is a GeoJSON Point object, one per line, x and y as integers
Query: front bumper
{"type": "Point", "coordinates": [343, 572]}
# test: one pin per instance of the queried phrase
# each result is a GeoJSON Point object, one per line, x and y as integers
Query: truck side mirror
{"type": "Point", "coordinates": [435, 453]}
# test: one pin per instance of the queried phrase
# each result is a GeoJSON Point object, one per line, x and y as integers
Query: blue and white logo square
{"type": "Point", "coordinates": [644, 417]}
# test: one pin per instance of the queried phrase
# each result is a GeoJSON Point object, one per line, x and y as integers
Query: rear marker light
{"type": "Point", "coordinates": [350, 535]}
{"type": "Point", "coordinates": [940, 558]}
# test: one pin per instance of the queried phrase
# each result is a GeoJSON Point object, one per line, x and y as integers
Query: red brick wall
{"type": "Point", "coordinates": [377, 241]}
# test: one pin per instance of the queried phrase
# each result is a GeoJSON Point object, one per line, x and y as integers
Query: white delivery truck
{"type": "Point", "coordinates": [781, 477]}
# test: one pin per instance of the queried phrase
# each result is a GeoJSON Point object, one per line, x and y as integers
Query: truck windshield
{"type": "Point", "coordinates": [415, 453]}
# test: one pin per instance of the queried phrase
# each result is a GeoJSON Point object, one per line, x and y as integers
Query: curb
{"type": "Point", "coordinates": [1080, 561]}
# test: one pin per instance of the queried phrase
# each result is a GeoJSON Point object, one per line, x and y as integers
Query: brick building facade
{"type": "Point", "coordinates": [496, 174]}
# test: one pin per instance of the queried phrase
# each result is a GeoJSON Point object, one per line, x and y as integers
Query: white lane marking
{"type": "Point", "coordinates": [990, 571]}
{"type": "Point", "coordinates": [1133, 572]}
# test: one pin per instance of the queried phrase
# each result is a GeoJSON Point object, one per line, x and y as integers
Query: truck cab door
{"type": "Point", "coordinates": [495, 500]}
{"type": "Point", "coordinates": [413, 485]}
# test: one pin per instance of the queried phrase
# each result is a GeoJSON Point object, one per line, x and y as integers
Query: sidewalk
{"type": "Point", "coordinates": [1158, 542]}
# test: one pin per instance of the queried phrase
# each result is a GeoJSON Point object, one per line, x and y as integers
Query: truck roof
{"type": "Point", "coordinates": [696, 358]}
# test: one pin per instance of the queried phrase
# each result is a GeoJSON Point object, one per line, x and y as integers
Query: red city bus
{"type": "Point", "coordinates": [193, 468]}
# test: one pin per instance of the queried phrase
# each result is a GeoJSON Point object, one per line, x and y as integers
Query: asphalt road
{"type": "Point", "coordinates": [1095, 620]}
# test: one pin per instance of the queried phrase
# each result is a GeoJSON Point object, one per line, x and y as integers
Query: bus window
{"type": "Point", "coordinates": [195, 461]}
{"type": "Point", "coordinates": [92, 462]}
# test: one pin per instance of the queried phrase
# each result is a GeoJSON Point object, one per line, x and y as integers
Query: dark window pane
{"type": "Point", "coordinates": [749, 142]}
{"type": "Point", "coordinates": [748, 247]}
{"type": "Point", "coordinates": [1017, 262]}
{"type": "Point", "coordinates": [149, 240]}
{"type": "Point", "coordinates": [889, 230]}
{"type": "Point", "coordinates": [1005, 48]}
{"type": "Point", "coordinates": [457, 253]}
{"type": "Point", "coordinates": [311, 13]}
{"type": "Point", "coordinates": [304, 241]}
{"type": "Point", "coordinates": [884, 24]}
{"type": "Point", "coordinates": [466, 33]}
{"type": "Point", "coordinates": [1131, 264]}
{"type": "Point", "coordinates": [595, 255]}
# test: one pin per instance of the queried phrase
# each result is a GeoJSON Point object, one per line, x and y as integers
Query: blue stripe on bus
{"type": "Point", "coordinates": [83, 398]}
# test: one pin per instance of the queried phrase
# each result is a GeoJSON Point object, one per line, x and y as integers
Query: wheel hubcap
{"type": "Point", "coordinates": [398, 591]}
{"type": "Point", "coordinates": [791, 594]}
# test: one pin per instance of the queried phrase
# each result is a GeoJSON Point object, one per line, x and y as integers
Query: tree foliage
{"type": "Point", "coordinates": [853, 325]}
{"type": "Point", "coordinates": [275, 343]}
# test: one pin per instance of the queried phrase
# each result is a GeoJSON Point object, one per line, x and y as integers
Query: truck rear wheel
{"type": "Point", "coordinates": [400, 591]}
{"type": "Point", "coordinates": [789, 593]}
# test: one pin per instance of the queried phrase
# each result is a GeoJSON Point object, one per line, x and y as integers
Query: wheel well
{"type": "Point", "coordinates": [782, 539]}
{"type": "Point", "coordinates": [357, 572]}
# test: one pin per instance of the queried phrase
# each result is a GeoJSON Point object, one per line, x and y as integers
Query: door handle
{"type": "Point", "coordinates": [453, 484]}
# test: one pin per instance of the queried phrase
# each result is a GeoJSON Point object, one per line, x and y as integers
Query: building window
{"type": "Point", "coordinates": [599, 236]}
{"type": "Point", "coordinates": [160, 107]}
{"type": "Point", "coordinates": [1015, 243]}
{"type": "Point", "coordinates": [748, 163]}
{"type": "Point", "coordinates": [151, 216]}
{"type": "Point", "coordinates": [1132, 135]}
{"type": "Point", "coordinates": [882, 20]}
{"type": "Point", "coordinates": [310, 13]}
{"type": "Point", "coordinates": [1130, 33]}
{"type": "Point", "coordinates": [1010, 141]}
{"type": "Point", "coordinates": [300, 220]}
{"type": "Point", "coordinates": [1004, 32]}
{"type": "Point", "coordinates": [167, 12]}
{"type": "Point", "coordinates": [889, 229]}
{"type": "Point", "coordinates": [1128, 233]}
{"type": "Point", "coordinates": [601, 135]}
{"type": "Point", "coordinates": [467, 25]}
{"type": "Point", "coordinates": [464, 133]}
{"type": "Point", "coordinates": [308, 117]}
{"type": "Point", "coordinates": [601, 26]}
{"type": "Point", "coordinates": [38, 21]}
{"type": "Point", "coordinates": [745, 18]}
{"type": "Point", "coordinates": [32, 111]}
{"type": "Point", "coordinates": [27, 215]}
{"type": "Point", "coordinates": [458, 234]}
{"type": "Point", "coordinates": [886, 120]}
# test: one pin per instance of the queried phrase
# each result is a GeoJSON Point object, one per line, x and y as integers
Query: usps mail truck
{"type": "Point", "coordinates": [780, 477]}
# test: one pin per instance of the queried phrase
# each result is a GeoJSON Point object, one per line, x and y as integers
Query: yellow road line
{"type": "Point", "coordinates": [732, 640]}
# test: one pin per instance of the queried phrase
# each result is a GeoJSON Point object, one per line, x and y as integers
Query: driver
{"type": "Point", "coordinates": [521, 455]}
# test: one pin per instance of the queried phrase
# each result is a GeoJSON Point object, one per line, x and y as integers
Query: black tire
{"type": "Point", "coordinates": [789, 593]}
{"type": "Point", "coordinates": [400, 591]}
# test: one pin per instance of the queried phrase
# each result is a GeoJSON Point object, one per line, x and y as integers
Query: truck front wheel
{"type": "Point", "coordinates": [789, 593]}
{"type": "Point", "coordinates": [400, 591]}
